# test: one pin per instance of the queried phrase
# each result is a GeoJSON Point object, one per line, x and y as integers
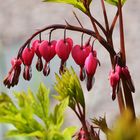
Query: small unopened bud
{"type": "Point", "coordinates": [127, 76]}
{"type": "Point", "coordinates": [114, 78]}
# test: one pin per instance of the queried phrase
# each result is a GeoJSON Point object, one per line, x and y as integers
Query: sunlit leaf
{"type": "Point", "coordinates": [76, 3]}
{"type": "Point", "coordinates": [17, 133]}
{"type": "Point", "coordinates": [68, 132]}
{"type": "Point", "coordinates": [115, 2]}
{"type": "Point", "coordinates": [31, 116]}
{"type": "Point", "coordinates": [68, 85]}
{"type": "Point", "coordinates": [101, 122]}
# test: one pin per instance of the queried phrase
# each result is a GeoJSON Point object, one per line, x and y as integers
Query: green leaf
{"type": "Point", "coordinates": [6, 105]}
{"type": "Point", "coordinates": [58, 116]}
{"type": "Point", "coordinates": [68, 132]}
{"type": "Point", "coordinates": [76, 3]}
{"type": "Point", "coordinates": [115, 2]}
{"type": "Point", "coordinates": [54, 135]}
{"type": "Point", "coordinates": [14, 133]}
{"type": "Point", "coordinates": [31, 117]}
{"type": "Point", "coordinates": [101, 122]}
{"type": "Point", "coordinates": [41, 107]}
{"type": "Point", "coordinates": [68, 85]}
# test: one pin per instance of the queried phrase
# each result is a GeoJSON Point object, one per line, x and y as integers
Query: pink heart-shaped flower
{"type": "Point", "coordinates": [47, 50]}
{"type": "Point", "coordinates": [35, 46]}
{"type": "Point", "coordinates": [79, 54]}
{"type": "Point", "coordinates": [114, 78]}
{"type": "Point", "coordinates": [63, 48]}
{"type": "Point", "coordinates": [91, 64]}
{"type": "Point", "coordinates": [27, 56]}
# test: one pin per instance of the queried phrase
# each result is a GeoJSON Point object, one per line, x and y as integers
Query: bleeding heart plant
{"type": "Point", "coordinates": [67, 84]}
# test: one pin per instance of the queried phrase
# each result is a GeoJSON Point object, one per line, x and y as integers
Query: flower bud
{"type": "Point", "coordinates": [114, 78]}
{"type": "Point", "coordinates": [13, 75]}
{"type": "Point", "coordinates": [127, 76]}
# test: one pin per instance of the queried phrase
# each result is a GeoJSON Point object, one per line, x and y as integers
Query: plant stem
{"type": "Point", "coordinates": [105, 15]}
{"type": "Point", "coordinates": [127, 92]}
{"type": "Point", "coordinates": [82, 118]}
{"type": "Point", "coordinates": [113, 23]}
{"type": "Point", "coordinates": [99, 25]}
{"type": "Point", "coordinates": [119, 94]}
{"type": "Point", "coordinates": [94, 26]}
{"type": "Point", "coordinates": [120, 100]}
{"type": "Point", "coordinates": [108, 35]}
{"type": "Point", "coordinates": [72, 28]}
{"type": "Point", "coordinates": [122, 43]}
{"type": "Point", "coordinates": [128, 98]}
{"type": "Point", "coordinates": [86, 129]}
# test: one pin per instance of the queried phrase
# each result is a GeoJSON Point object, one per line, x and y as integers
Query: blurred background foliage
{"type": "Point", "coordinates": [125, 128]}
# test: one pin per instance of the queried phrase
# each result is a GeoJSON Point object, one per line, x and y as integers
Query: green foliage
{"type": "Point", "coordinates": [68, 86]}
{"type": "Point", "coordinates": [101, 123]}
{"type": "Point", "coordinates": [76, 3]}
{"type": "Point", "coordinates": [115, 2]}
{"type": "Point", "coordinates": [31, 117]}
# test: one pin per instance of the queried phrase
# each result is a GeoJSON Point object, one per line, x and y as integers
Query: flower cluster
{"type": "Point", "coordinates": [84, 56]}
{"type": "Point", "coordinates": [120, 72]}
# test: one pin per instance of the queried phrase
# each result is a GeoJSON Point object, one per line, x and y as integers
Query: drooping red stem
{"type": "Point", "coordinates": [72, 28]}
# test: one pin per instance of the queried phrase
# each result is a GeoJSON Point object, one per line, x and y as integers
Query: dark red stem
{"type": "Point", "coordinates": [110, 41]}
{"type": "Point", "coordinates": [127, 92]}
{"type": "Point", "coordinates": [114, 22]}
{"type": "Point", "coordinates": [105, 15]}
{"type": "Point", "coordinates": [128, 98]}
{"type": "Point", "coordinates": [72, 28]}
{"type": "Point", "coordinates": [120, 100]}
{"type": "Point", "coordinates": [122, 43]}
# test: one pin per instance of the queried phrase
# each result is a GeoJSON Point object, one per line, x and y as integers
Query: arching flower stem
{"type": "Point", "coordinates": [72, 28]}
